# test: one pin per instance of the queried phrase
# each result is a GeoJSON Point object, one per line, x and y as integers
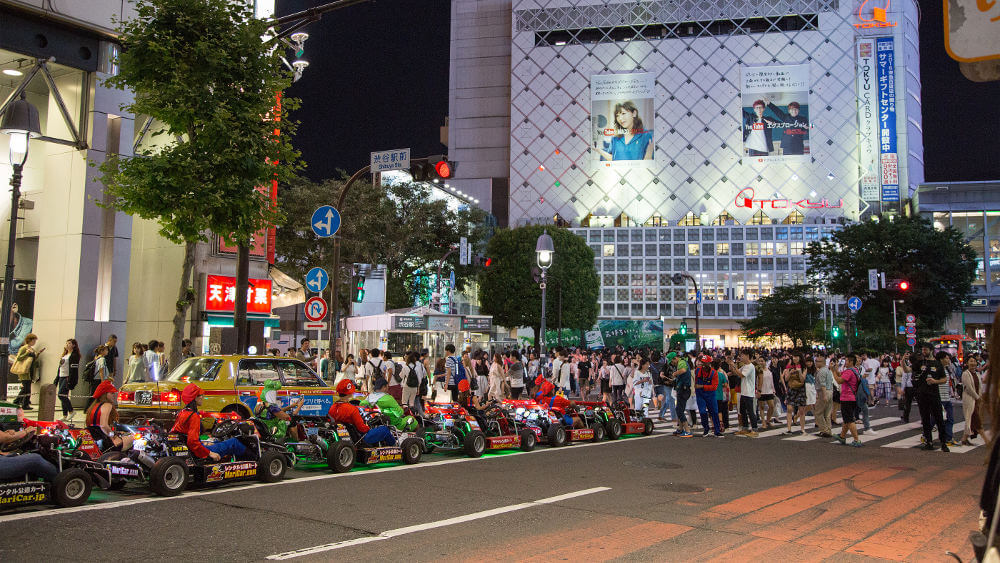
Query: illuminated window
{"type": "Point", "coordinates": [690, 220]}
{"type": "Point", "coordinates": [781, 248]}
{"type": "Point", "coordinates": [693, 249]}
{"type": "Point", "coordinates": [609, 250]}
{"type": "Point", "coordinates": [753, 249]}
{"type": "Point", "coordinates": [722, 248]}
{"type": "Point", "coordinates": [725, 219]}
{"type": "Point", "coordinates": [794, 218]}
{"type": "Point", "coordinates": [760, 218]}
{"type": "Point", "coordinates": [655, 221]}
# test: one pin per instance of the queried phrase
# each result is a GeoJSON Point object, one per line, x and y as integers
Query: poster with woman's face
{"type": "Point", "coordinates": [622, 111]}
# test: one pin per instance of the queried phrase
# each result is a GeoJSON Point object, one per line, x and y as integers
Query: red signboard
{"type": "Point", "coordinates": [220, 295]}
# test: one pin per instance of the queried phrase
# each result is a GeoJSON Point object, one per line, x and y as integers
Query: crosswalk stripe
{"type": "Point", "coordinates": [809, 437]}
{"type": "Point", "coordinates": [914, 441]}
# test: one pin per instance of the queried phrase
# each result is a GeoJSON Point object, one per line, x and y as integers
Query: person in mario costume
{"type": "Point", "coordinates": [189, 423]}
{"type": "Point", "coordinates": [344, 412]}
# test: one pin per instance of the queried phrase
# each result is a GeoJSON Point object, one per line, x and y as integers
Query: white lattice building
{"type": "Point", "coordinates": [521, 132]}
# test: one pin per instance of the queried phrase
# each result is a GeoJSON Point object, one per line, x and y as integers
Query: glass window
{"type": "Point", "coordinates": [609, 236]}
{"type": "Point", "coordinates": [298, 375]}
{"type": "Point", "coordinates": [623, 295]}
{"type": "Point", "coordinates": [760, 218]}
{"type": "Point", "coordinates": [636, 235]}
{"type": "Point", "coordinates": [664, 250]}
{"type": "Point", "coordinates": [694, 234]}
{"type": "Point", "coordinates": [941, 221]}
{"type": "Point", "coordinates": [609, 279]}
{"type": "Point", "coordinates": [737, 248]}
{"type": "Point", "coordinates": [812, 233]}
{"type": "Point", "coordinates": [651, 264]}
{"type": "Point", "coordinates": [594, 236]}
{"type": "Point", "coordinates": [766, 234]}
{"type": "Point", "coordinates": [680, 294]}
{"type": "Point", "coordinates": [651, 233]}
{"type": "Point", "coordinates": [622, 309]}
{"type": "Point", "coordinates": [753, 249]}
{"type": "Point", "coordinates": [665, 309]}
{"type": "Point", "coordinates": [679, 250]}
{"type": "Point", "coordinates": [608, 309]}
{"type": "Point", "coordinates": [191, 369]}
{"type": "Point", "coordinates": [608, 294]}
{"type": "Point", "coordinates": [736, 234]}
{"type": "Point", "coordinates": [664, 294]}
{"type": "Point", "coordinates": [782, 264]}
{"type": "Point", "coordinates": [767, 249]}
{"type": "Point", "coordinates": [256, 372]}
{"type": "Point", "coordinates": [690, 220]}
{"type": "Point", "coordinates": [781, 248]}
{"type": "Point", "coordinates": [708, 309]}
{"type": "Point", "coordinates": [609, 265]}
{"type": "Point", "coordinates": [609, 250]}
{"type": "Point", "coordinates": [722, 264]}
{"type": "Point", "coordinates": [722, 249]}
{"type": "Point", "coordinates": [796, 233]}
{"type": "Point", "coordinates": [781, 233]}
{"type": "Point", "coordinates": [637, 309]}
{"type": "Point", "coordinates": [797, 248]}
{"type": "Point", "coordinates": [692, 250]}
{"type": "Point", "coordinates": [597, 264]}
{"type": "Point", "coordinates": [680, 264]}
{"type": "Point", "coordinates": [736, 264]}
{"type": "Point", "coordinates": [651, 294]}
{"type": "Point", "coordinates": [665, 278]}
{"type": "Point", "coordinates": [751, 234]}
{"type": "Point", "coordinates": [707, 249]}
{"type": "Point", "coordinates": [707, 264]}
{"type": "Point", "coordinates": [650, 250]}
{"type": "Point", "coordinates": [767, 263]}
{"type": "Point", "coordinates": [622, 250]}
{"type": "Point", "coordinates": [651, 280]}
{"type": "Point", "coordinates": [665, 264]}
{"type": "Point", "coordinates": [753, 263]}
{"type": "Point", "coordinates": [722, 234]}
{"type": "Point", "coordinates": [694, 265]}
{"type": "Point", "coordinates": [622, 265]}
{"type": "Point", "coordinates": [636, 250]}
{"type": "Point", "coordinates": [993, 237]}
{"type": "Point", "coordinates": [708, 234]}
{"type": "Point", "coordinates": [637, 264]}
{"type": "Point", "coordinates": [664, 234]}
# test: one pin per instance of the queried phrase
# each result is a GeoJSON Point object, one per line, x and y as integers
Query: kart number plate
{"type": "Point", "coordinates": [144, 398]}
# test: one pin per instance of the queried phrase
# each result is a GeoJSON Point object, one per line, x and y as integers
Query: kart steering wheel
{"type": "Point", "coordinates": [16, 444]}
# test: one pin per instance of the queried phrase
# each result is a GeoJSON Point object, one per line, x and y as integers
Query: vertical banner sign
{"type": "Point", "coordinates": [775, 109]}
{"type": "Point", "coordinates": [868, 132]}
{"type": "Point", "coordinates": [622, 118]}
{"type": "Point", "coordinates": [463, 251]}
{"type": "Point", "coordinates": [886, 64]}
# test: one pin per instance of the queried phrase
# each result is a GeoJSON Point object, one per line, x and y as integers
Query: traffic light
{"type": "Point", "coordinates": [481, 261]}
{"type": "Point", "coordinates": [835, 332]}
{"type": "Point", "coordinates": [434, 169]}
{"type": "Point", "coordinates": [358, 293]}
{"type": "Point", "coordinates": [683, 328]}
{"type": "Point", "coordinates": [897, 285]}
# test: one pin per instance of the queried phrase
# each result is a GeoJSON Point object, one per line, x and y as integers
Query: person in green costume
{"type": "Point", "coordinates": [388, 406]}
{"type": "Point", "coordinates": [274, 416]}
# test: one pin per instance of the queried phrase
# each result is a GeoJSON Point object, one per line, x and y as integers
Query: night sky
{"type": "Point", "coordinates": [378, 79]}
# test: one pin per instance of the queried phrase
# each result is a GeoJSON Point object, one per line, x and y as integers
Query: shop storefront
{"type": "Point", "coordinates": [417, 330]}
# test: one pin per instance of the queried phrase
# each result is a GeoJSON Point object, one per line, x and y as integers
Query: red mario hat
{"type": "Point", "coordinates": [346, 387]}
{"type": "Point", "coordinates": [463, 385]}
{"type": "Point", "coordinates": [105, 387]}
{"type": "Point", "coordinates": [191, 392]}
{"type": "Point", "coordinates": [706, 359]}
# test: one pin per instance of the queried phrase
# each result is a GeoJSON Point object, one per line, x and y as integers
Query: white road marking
{"type": "Point", "coordinates": [402, 467]}
{"type": "Point", "coordinates": [914, 441]}
{"type": "Point", "coordinates": [808, 437]}
{"type": "Point", "coordinates": [432, 525]}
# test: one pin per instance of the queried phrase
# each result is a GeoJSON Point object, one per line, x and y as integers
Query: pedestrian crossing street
{"type": "Point", "coordinates": [889, 432]}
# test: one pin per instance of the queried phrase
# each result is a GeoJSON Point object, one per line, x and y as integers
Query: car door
{"type": "Point", "coordinates": [251, 375]}
{"type": "Point", "coordinates": [298, 381]}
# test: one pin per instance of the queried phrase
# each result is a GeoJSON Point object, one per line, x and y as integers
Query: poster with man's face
{"type": "Point", "coordinates": [622, 111]}
{"type": "Point", "coordinates": [775, 102]}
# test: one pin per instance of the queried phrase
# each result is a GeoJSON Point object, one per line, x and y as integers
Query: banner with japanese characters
{"type": "Point", "coordinates": [868, 129]}
{"type": "Point", "coordinates": [622, 111]}
{"type": "Point", "coordinates": [220, 295]}
{"type": "Point", "coordinates": [885, 63]}
{"type": "Point", "coordinates": [775, 113]}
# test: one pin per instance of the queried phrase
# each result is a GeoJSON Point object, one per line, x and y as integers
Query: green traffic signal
{"type": "Point", "coordinates": [835, 332]}
{"type": "Point", "coordinates": [683, 328]}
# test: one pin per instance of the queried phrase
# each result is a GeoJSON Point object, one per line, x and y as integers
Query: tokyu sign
{"type": "Point", "coordinates": [747, 200]}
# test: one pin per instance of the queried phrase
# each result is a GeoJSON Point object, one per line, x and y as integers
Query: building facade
{"type": "Point", "coordinates": [716, 139]}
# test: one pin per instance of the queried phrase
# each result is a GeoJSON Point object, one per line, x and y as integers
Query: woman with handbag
{"type": "Point", "coordinates": [68, 376]}
{"type": "Point", "coordinates": [795, 397]}
{"type": "Point", "coordinates": [24, 361]}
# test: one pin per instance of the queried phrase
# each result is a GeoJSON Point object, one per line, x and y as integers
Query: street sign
{"type": "Point", "coordinates": [397, 159]}
{"type": "Point", "coordinates": [463, 251]}
{"type": "Point", "coordinates": [325, 221]}
{"type": "Point", "coordinates": [901, 330]}
{"type": "Point", "coordinates": [316, 308]}
{"type": "Point", "coordinates": [317, 279]}
{"type": "Point", "coordinates": [316, 326]}
{"type": "Point", "coordinates": [910, 319]}
{"type": "Point", "coordinates": [911, 331]}
{"type": "Point", "coordinates": [873, 279]}
{"type": "Point", "coordinates": [911, 342]}
{"type": "Point", "coordinates": [697, 297]}
{"type": "Point", "coordinates": [854, 304]}
{"type": "Point", "coordinates": [451, 279]}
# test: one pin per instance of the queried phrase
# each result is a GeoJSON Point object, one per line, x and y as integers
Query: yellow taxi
{"type": "Point", "coordinates": [232, 384]}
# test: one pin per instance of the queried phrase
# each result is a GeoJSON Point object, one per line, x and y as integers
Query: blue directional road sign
{"type": "Point", "coordinates": [854, 304]}
{"type": "Point", "coordinates": [325, 221]}
{"type": "Point", "coordinates": [697, 296]}
{"type": "Point", "coordinates": [317, 279]}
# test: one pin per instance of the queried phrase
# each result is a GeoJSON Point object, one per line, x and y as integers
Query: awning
{"type": "Point", "coordinates": [227, 320]}
{"type": "Point", "coordinates": [285, 291]}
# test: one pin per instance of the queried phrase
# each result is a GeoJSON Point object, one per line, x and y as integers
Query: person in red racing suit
{"type": "Point", "coordinates": [547, 397]}
{"type": "Point", "coordinates": [344, 412]}
{"type": "Point", "coordinates": [189, 423]}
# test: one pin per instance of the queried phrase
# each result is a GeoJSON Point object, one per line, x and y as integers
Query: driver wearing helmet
{"type": "Point", "coordinates": [273, 415]}
{"type": "Point", "coordinates": [344, 412]}
{"type": "Point", "coordinates": [189, 423]}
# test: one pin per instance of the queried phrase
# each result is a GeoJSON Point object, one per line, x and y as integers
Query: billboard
{"type": "Point", "coordinates": [622, 111]}
{"type": "Point", "coordinates": [22, 311]}
{"type": "Point", "coordinates": [885, 63]}
{"type": "Point", "coordinates": [868, 133]}
{"type": "Point", "coordinates": [220, 295]}
{"type": "Point", "coordinates": [775, 103]}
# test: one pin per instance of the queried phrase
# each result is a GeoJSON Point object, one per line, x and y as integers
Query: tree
{"type": "Point", "coordinates": [400, 226]}
{"type": "Point", "coordinates": [790, 311]}
{"type": "Point", "coordinates": [939, 265]}
{"type": "Point", "coordinates": [200, 71]}
{"type": "Point", "coordinates": [509, 293]}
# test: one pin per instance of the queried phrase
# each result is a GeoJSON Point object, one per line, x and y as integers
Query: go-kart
{"type": "Point", "coordinates": [549, 425]}
{"type": "Point", "coordinates": [448, 426]}
{"type": "Point", "coordinates": [633, 421]}
{"type": "Point", "coordinates": [72, 484]}
{"type": "Point", "coordinates": [340, 445]}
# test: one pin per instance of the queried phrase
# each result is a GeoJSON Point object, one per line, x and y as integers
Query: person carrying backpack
{"type": "Point", "coordinates": [394, 375]}
{"type": "Point", "coordinates": [373, 367]}
{"type": "Point", "coordinates": [849, 380]}
{"type": "Point", "coordinates": [412, 375]}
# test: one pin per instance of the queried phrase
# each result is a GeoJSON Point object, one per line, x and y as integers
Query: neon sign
{"type": "Point", "coordinates": [879, 17]}
{"type": "Point", "coordinates": [745, 199]}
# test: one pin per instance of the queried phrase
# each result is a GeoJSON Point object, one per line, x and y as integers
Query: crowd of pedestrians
{"type": "Point", "coordinates": [707, 392]}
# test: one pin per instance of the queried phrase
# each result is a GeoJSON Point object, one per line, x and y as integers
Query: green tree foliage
{"type": "Point", "coordinates": [791, 311]}
{"type": "Point", "coordinates": [201, 71]}
{"type": "Point", "coordinates": [509, 293]}
{"type": "Point", "coordinates": [939, 265]}
{"type": "Point", "coordinates": [399, 226]}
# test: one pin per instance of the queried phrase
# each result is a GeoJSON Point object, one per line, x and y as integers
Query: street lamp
{"type": "Point", "coordinates": [545, 251]}
{"type": "Point", "coordinates": [20, 121]}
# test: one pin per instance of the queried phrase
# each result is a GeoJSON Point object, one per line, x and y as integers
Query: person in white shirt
{"type": "Point", "coordinates": [618, 373]}
{"type": "Point", "coordinates": [748, 397]}
{"type": "Point", "coordinates": [642, 387]}
{"type": "Point", "coordinates": [152, 361]}
{"type": "Point", "coordinates": [869, 368]}
{"type": "Point", "coordinates": [563, 374]}
{"type": "Point", "coordinates": [373, 368]}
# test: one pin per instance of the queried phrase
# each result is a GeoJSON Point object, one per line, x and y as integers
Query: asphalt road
{"type": "Point", "coordinates": [656, 498]}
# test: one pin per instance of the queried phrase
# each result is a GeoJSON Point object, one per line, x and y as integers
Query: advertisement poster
{"type": "Point", "coordinates": [886, 64]}
{"type": "Point", "coordinates": [868, 132]}
{"type": "Point", "coordinates": [622, 113]}
{"type": "Point", "coordinates": [22, 311]}
{"type": "Point", "coordinates": [220, 295]}
{"type": "Point", "coordinates": [775, 100]}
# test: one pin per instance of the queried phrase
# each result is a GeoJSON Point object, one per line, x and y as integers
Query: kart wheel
{"type": "Point", "coordinates": [614, 429]}
{"type": "Point", "coordinates": [528, 439]}
{"type": "Point", "coordinates": [647, 427]}
{"type": "Point", "coordinates": [557, 435]}
{"type": "Point", "coordinates": [599, 433]}
{"type": "Point", "coordinates": [271, 467]}
{"type": "Point", "coordinates": [341, 456]}
{"type": "Point", "coordinates": [168, 477]}
{"type": "Point", "coordinates": [71, 487]}
{"type": "Point", "coordinates": [411, 450]}
{"type": "Point", "coordinates": [474, 443]}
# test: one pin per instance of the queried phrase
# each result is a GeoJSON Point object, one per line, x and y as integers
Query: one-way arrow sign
{"type": "Point", "coordinates": [325, 221]}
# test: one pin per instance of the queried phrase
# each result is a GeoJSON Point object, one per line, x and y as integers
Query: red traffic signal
{"type": "Point", "coordinates": [434, 168]}
{"type": "Point", "coordinates": [487, 263]}
{"type": "Point", "coordinates": [904, 285]}
{"type": "Point", "coordinates": [443, 169]}
{"type": "Point", "coordinates": [897, 285]}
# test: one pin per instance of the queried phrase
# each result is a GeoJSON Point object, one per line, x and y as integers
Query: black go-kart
{"type": "Point", "coordinates": [71, 486]}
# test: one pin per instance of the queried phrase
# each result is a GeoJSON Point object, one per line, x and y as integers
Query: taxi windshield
{"type": "Point", "coordinates": [195, 369]}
